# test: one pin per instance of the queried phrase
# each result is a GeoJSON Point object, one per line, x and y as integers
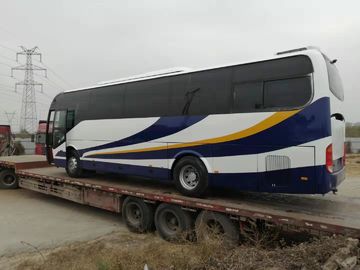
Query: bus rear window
{"type": "Point", "coordinates": [334, 80]}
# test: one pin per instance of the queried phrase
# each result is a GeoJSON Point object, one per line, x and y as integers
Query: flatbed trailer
{"type": "Point", "coordinates": [9, 165]}
{"type": "Point", "coordinates": [145, 202]}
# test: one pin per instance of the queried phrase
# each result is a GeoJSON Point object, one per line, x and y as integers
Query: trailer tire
{"type": "Point", "coordinates": [138, 215]}
{"type": "Point", "coordinates": [191, 176]}
{"type": "Point", "coordinates": [172, 223]}
{"type": "Point", "coordinates": [210, 223]}
{"type": "Point", "coordinates": [73, 167]}
{"type": "Point", "coordinates": [8, 179]}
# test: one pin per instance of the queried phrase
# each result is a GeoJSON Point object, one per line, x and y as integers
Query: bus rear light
{"type": "Point", "coordinates": [329, 159]}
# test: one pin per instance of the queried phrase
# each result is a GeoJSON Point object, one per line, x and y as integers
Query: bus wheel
{"type": "Point", "coordinates": [73, 167]}
{"type": "Point", "coordinates": [8, 179]}
{"type": "Point", "coordinates": [191, 176]}
{"type": "Point", "coordinates": [138, 215]}
{"type": "Point", "coordinates": [173, 223]}
{"type": "Point", "coordinates": [211, 224]}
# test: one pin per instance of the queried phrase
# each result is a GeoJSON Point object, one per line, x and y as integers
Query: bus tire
{"type": "Point", "coordinates": [172, 223]}
{"type": "Point", "coordinates": [191, 176]}
{"type": "Point", "coordinates": [8, 179]}
{"type": "Point", "coordinates": [73, 167]}
{"type": "Point", "coordinates": [138, 215]}
{"type": "Point", "coordinates": [209, 224]}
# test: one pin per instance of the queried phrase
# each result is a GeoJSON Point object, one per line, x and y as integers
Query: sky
{"type": "Point", "coordinates": [87, 41]}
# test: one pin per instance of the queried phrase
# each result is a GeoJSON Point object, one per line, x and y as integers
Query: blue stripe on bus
{"type": "Point", "coordinates": [162, 127]}
{"type": "Point", "coordinates": [282, 181]}
{"type": "Point", "coordinates": [146, 171]}
{"type": "Point", "coordinates": [311, 123]}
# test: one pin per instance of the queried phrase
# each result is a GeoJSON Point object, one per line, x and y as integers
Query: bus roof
{"type": "Point", "coordinates": [182, 70]}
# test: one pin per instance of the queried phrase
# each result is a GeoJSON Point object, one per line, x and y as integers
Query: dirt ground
{"type": "Point", "coordinates": [353, 165]}
{"type": "Point", "coordinates": [130, 252]}
{"type": "Point", "coordinates": [29, 218]}
{"type": "Point", "coordinates": [123, 250]}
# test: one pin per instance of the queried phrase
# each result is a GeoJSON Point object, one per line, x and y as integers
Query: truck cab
{"type": "Point", "coordinates": [40, 138]}
{"type": "Point", "coordinates": [6, 141]}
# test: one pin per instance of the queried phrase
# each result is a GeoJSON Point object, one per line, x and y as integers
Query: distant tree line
{"type": "Point", "coordinates": [352, 130]}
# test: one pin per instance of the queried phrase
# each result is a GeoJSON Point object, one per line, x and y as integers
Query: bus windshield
{"type": "Point", "coordinates": [335, 82]}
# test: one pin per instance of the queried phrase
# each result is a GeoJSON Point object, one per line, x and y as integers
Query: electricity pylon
{"type": "Point", "coordinates": [10, 117]}
{"type": "Point", "coordinates": [28, 116]}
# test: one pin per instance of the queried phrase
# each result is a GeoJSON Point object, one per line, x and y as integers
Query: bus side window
{"type": "Point", "coordinates": [287, 93]}
{"type": "Point", "coordinates": [248, 97]}
{"type": "Point", "coordinates": [70, 120]}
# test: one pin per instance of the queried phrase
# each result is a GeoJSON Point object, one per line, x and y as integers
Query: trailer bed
{"type": "Point", "coordinates": [313, 214]}
{"type": "Point", "coordinates": [23, 162]}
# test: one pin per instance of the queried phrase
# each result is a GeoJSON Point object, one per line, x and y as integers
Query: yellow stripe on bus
{"type": "Point", "coordinates": [269, 122]}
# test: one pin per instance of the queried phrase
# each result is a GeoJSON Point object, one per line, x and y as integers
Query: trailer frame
{"type": "Point", "coordinates": [95, 192]}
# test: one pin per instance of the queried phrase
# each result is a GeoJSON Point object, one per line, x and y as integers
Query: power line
{"type": "Point", "coordinates": [4, 75]}
{"type": "Point", "coordinates": [2, 92]}
{"type": "Point", "coordinates": [6, 47]}
{"type": "Point", "coordinates": [58, 76]}
{"type": "Point", "coordinates": [49, 81]}
{"type": "Point", "coordinates": [8, 86]}
{"type": "Point", "coordinates": [48, 96]}
{"type": "Point", "coordinates": [7, 58]}
{"type": "Point", "coordinates": [2, 63]}
{"type": "Point", "coordinates": [16, 37]}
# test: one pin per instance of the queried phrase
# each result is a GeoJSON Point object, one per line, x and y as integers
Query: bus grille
{"type": "Point", "coordinates": [275, 162]}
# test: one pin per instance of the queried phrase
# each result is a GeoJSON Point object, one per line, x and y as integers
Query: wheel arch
{"type": "Point", "coordinates": [180, 155]}
{"type": "Point", "coordinates": [70, 148]}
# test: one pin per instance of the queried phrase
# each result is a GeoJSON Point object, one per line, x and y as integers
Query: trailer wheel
{"type": "Point", "coordinates": [8, 179]}
{"type": "Point", "coordinates": [173, 223]}
{"type": "Point", "coordinates": [191, 176]}
{"type": "Point", "coordinates": [209, 224]}
{"type": "Point", "coordinates": [73, 167]}
{"type": "Point", "coordinates": [138, 215]}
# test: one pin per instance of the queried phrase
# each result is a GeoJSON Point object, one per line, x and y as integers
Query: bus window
{"type": "Point", "coordinates": [59, 128]}
{"type": "Point", "coordinates": [179, 86]}
{"type": "Point", "coordinates": [287, 93]}
{"type": "Point", "coordinates": [70, 120]}
{"type": "Point", "coordinates": [201, 93]}
{"type": "Point", "coordinates": [147, 98]}
{"type": "Point", "coordinates": [248, 97]}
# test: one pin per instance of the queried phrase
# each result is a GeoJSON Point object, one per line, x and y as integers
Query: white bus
{"type": "Point", "coordinates": [274, 125]}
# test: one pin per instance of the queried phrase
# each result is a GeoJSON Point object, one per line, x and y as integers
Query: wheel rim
{"type": "Point", "coordinates": [215, 227]}
{"type": "Point", "coordinates": [9, 179]}
{"type": "Point", "coordinates": [72, 164]}
{"type": "Point", "coordinates": [133, 214]}
{"type": "Point", "coordinates": [189, 177]}
{"type": "Point", "coordinates": [170, 223]}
